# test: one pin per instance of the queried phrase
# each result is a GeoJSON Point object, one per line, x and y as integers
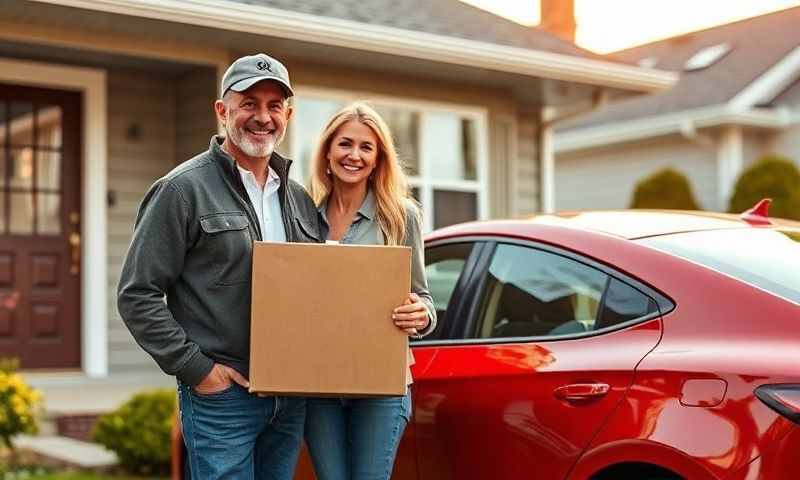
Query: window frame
{"type": "Point", "coordinates": [423, 181]}
{"type": "Point", "coordinates": [475, 290]}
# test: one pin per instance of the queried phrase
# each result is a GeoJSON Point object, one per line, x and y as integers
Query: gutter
{"type": "Point", "coordinates": [681, 122]}
{"type": "Point", "coordinates": [261, 20]}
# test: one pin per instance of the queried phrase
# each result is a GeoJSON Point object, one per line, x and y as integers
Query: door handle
{"type": "Point", "coordinates": [582, 392]}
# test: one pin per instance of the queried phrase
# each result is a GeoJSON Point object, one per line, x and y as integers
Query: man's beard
{"type": "Point", "coordinates": [240, 138]}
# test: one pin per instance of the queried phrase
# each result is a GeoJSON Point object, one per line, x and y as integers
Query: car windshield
{"type": "Point", "coordinates": [766, 258]}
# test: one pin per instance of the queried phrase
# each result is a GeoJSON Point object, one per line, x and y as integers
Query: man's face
{"type": "Point", "coordinates": [255, 120]}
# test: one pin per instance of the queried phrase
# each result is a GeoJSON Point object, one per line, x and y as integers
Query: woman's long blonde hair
{"type": "Point", "coordinates": [388, 181]}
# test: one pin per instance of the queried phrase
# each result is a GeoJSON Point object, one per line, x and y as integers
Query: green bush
{"type": "Point", "coordinates": [667, 188]}
{"type": "Point", "coordinates": [139, 432]}
{"type": "Point", "coordinates": [771, 177]}
{"type": "Point", "coordinates": [19, 404]}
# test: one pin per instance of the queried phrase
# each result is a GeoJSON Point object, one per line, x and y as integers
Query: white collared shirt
{"type": "Point", "coordinates": [266, 204]}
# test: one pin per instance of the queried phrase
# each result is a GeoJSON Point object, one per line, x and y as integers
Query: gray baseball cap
{"type": "Point", "coordinates": [247, 71]}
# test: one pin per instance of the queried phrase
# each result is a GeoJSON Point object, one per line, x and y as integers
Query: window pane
{"type": "Point", "coordinates": [21, 167]}
{"type": "Point", "coordinates": [48, 122]}
{"type": "Point", "coordinates": [623, 303]}
{"type": "Point", "coordinates": [21, 123]}
{"type": "Point", "coordinates": [404, 125]}
{"type": "Point", "coordinates": [21, 213]}
{"type": "Point", "coordinates": [454, 207]}
{"type": "Point", "coordinates": [310, 117]}
{"type": "Point", "coordinates": [444, 265]}
{"type": "Point", "coordinates": [48, 170]}
{"type": "Point", "coordinates": [48, 218]}
{"type": "Point", "coordinates": [530, 292]}
{"type": "Point", "coordinates": [450, 147]}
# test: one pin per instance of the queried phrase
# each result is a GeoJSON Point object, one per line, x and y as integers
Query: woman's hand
{"type": "Point", "coordinates": [411, 316]}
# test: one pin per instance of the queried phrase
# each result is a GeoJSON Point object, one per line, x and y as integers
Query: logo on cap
{"type": "Point", "coordinates": [264, 65]}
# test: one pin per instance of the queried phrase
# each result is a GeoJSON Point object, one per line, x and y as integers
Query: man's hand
{"type": "Point", "coordinates": [411, 316]}
{"type": "Point", "coordinates": [219, 378]}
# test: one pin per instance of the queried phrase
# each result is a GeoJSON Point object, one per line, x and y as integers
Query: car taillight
{"type": "Point", "coordinates": [783, 398]}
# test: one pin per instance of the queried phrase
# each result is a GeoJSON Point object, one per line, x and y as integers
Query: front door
{"type": "Point", "coordinates": [40, 226]}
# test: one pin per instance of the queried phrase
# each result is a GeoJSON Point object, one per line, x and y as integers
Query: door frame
{"type": "Point", "coordinates": [91, 82]}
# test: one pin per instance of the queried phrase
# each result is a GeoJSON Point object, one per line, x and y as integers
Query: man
{"type": "Point", "coordinates": [193, 243]}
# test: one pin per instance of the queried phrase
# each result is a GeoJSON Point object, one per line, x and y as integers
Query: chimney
{"type": "Point", "coordinates": [558, 18]}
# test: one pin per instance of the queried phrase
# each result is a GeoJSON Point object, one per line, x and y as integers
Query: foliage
{"type": "Point", "coordinates": [19, 404]}
{"type": "Point", "coordinates": [666, 188]}
{"type": "Point", "coordinates": [139, 432]}
{"type": "Point", "coordinates": [772, 177]}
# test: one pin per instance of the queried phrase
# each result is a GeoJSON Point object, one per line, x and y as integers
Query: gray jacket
{"type": "Point", "coordinates": [193, 242]}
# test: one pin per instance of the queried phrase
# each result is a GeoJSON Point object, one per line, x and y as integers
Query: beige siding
{"type": "Point", "coordinates": [143, 102]}
{"type": "Point", "coordinates": [786, 143]}
{"type": "Point", "coordinates": [195, 94]}
{"type": "Point", "coordinates": [526, 165]}
{"type": "Point", "coordinates": [754, 146]}
{"type": "Point", "coordinates": [605, 178]}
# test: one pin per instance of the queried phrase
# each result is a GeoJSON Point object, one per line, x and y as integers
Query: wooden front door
{"type": "Point", "coordinates": [40, 193]}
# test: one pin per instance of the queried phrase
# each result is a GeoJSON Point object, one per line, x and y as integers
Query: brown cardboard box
{"type": "Point", "coordinates": [321, 321]}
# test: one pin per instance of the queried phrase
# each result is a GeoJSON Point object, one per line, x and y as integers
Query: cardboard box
{"type": "Point", "coordinates": [321, 320]}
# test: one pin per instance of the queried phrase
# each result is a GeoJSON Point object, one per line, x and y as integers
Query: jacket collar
{"type": "Point", "coordinates": [278, 163]}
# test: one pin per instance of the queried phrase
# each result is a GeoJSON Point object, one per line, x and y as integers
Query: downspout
{"type": "Point", "coordinates": [549, 120]}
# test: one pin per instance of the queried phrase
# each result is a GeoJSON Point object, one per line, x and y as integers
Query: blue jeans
{"type": "Point", "coordinates": [355, 438]}
{"type": "Point", "coordinates": [236, 434]}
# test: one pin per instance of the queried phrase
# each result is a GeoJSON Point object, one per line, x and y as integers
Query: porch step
{"type": "Point", "coordinates": [62, 452]}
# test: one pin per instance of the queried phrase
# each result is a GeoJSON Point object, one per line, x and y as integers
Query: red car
{"type": "Point", "coordinates": [609, 345]}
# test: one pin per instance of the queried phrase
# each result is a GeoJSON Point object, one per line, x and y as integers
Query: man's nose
{"type": "Point", "coordinates": [262, 116]}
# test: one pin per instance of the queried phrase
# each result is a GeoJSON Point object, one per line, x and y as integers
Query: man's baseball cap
{"type": "Point", "coordinates": [247, 71]}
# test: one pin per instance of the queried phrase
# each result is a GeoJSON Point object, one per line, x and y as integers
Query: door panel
{"type": "Point", "coordinates": [39, 226]}
{"type": "Point", "coordinates": [490, 411]}
{"type": "Point", "coordinates": [497, 405]}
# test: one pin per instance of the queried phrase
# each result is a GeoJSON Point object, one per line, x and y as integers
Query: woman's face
{"type": "Point", "coordinates": [353, 153]}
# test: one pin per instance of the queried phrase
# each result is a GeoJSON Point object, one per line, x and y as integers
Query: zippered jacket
{"type": "Point", "coordinates": [193, 243]}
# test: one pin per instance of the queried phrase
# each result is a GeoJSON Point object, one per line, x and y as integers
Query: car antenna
{"type": "Point", "coordinates": [759, 214]}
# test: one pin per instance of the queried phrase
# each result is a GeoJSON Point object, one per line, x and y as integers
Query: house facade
{"type": "Point", "coordinates": [100, 98]}
{"type": "Point", "coordinates": [737, 100]}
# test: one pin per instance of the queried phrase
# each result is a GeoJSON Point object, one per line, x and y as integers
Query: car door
{"type": "Point", "coordinates": [537, 352]}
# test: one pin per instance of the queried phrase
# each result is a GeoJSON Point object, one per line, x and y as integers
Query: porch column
{"type": "Point", "coordinates": [729, 164]}
{"type": "Point", "coordinates": [547, 162]}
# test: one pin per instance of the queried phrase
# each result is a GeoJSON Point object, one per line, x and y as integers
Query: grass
{"type": "Point", "coordinates": [78, 476]}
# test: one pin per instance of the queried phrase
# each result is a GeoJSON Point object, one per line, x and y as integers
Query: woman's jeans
{"type": "Point", "coordinates": [355, 438]}
{"type": "Point", "coordinates": [236, 434]}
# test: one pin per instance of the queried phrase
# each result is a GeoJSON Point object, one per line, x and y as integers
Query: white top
{"type": "Point", "coordinates": [266, 204]}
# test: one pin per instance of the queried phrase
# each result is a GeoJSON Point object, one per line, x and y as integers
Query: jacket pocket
{"type": "Point", "coordinates": [230, 246]}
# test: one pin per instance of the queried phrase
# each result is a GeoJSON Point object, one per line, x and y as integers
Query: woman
{"type": "Point", "coordinates": [362, 197]}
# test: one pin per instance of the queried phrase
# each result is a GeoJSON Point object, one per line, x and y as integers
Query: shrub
{"type": "Point", "coordinates": [667, 188]}
{"type": "Point", "coordinates": [19, 404]}
{"type": "Point", "coordinates": [139, 432]}
{"type": "Point", "coordinates": [771, 177]}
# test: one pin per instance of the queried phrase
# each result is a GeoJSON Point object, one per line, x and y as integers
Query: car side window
{"type": "Point", "coordinates": [622, 303]}
{"type": "Point", "coordinates": [530, 292]}
{"type": "Point", "coordinates": [444, 265]}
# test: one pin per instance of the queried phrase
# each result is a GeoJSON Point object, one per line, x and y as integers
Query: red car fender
{"type": "Point", "coordinates": [628, 451]}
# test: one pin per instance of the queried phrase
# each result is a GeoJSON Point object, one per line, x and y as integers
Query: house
{"type": "Point", "coordinates": [98, 98]}
{"type": "Point", "coordinates": [738, 98]}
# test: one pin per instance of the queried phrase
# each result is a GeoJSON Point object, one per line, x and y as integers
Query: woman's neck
{"type": "Point", "coordinates": [347, 198]}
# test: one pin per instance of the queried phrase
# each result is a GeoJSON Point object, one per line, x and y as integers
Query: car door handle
{"type": "Point", "coordinates": [581, 392]}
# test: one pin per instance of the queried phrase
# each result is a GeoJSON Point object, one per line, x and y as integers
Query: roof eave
{"type": "Point", "coordinates": [674, 123]}
{"type": "Point", "coordinates": [227, 15]}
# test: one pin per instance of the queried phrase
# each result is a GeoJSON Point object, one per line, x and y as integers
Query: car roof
{"type": "Point", "coordinates": [629, 224]}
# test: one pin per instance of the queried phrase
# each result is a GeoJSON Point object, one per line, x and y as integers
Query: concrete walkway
{"type": "Point", "coordinates": [62, 452]}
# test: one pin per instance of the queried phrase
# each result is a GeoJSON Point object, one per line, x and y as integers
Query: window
{"type": "Point", "coordinates": [444, 265]}
{"type": "Point", "coordinates": [442, 149]}
{"type": "Point", "coordinates": [534, 293]}
{"type": "Point", "coordinates": [767, 259]}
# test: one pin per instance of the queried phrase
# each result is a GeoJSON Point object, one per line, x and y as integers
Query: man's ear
{"type": "Point", "coordinates": [289, 112]}
{"type": "Point", "coordinates": [221, 110]}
